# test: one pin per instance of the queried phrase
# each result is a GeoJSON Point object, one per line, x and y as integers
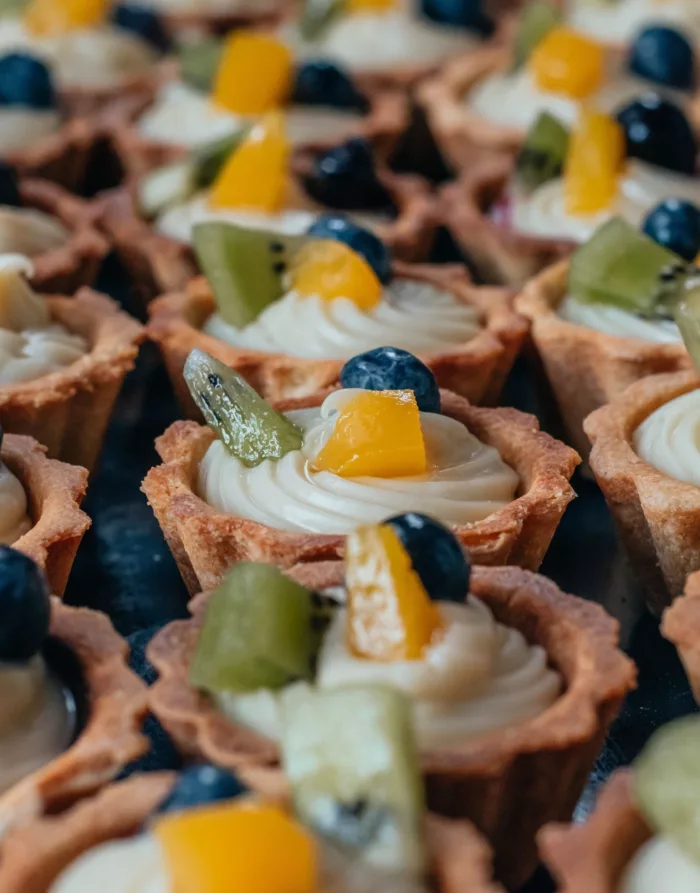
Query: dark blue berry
{"type": "Point", "coordinates": [144, 23]}
{"type": "Point", "coordinates": [392, 369]}
{"type": "Point", "coordinates": [323, 83]}
{"type": "Point", "coordinates": [374, 251]}
{"type": "Point", "coordinates": [201, 784]}
{"type": "Point", "coordinates": [675, 224]}
{"type": "Point", "coordinates": [657, 131]}
{"type": "Point", "coordinates": [460, 14]}
{"type": "Point", "coordinates": [436, 556]}
{"type": "Point", "coordinates": [25, 607]}
{"type": "Point", "coordinates": [25, 80]}
{"type": "Point", "coordinates": [665, 56]}
{"type": "Point", "coordinates": [345, 178]}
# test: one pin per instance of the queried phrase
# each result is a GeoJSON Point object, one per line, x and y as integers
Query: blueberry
{"type": "Point", "coordinates": [658, 132]}
{"type": "Point", "coordinates": [665, 56]}
{"type": "Point", "coordinates": [436, 556]}
{"type": "Point", "coordinates": [392, 369]}
{"type": "Point", "coordinates": [460, 14]}
{"type": "Point", "coordinates": [323, 83]}
{"type": "Point", "coordinates": [201, 784]}
{"type": "Point", "coordinates": [9, 186]}
{"type": "Point", "coordinates": [675, 224]}
{"type": "Point", "coordinates": [345, 178]}
{"type": "Point", "coordinates": [374, 251]}
{"type": "Point", "coordinates": [144, 23]}
{"type": "Point", "coordinates": [25, 80]}
{"type": "Point", "coordinates": [24, 606]}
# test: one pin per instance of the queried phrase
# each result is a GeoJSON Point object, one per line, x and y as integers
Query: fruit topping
{"type": "Point", "coordinates": [392, 369]}
{"type": "Point", "coordinates": [350, 757]}
{"type": "Point", "coordinates": [322, 83]}
{"type": "Point", "coordinates": [658, 132]}
{"type": "Point", "coordinates": [255, 175]}
{"type": "Point", "coordinates": [569, 63]}
{"type": "Point", "coordinates": [201, 784]}
{"type": "Point", "coordinates": [166, 186]}
{"type": "Point", "coordinates": [46, 17]}
{"type": "Point", "coordinates": [593, 163]}
{"type": "Point", "coordinates": [9, 186]}
{"type": "Point", "coordinates": [243, 845]}
{"type": "Point", "coordinates": [436, 556]}
{"type": "Point", "coordinates": [369, 5]}
{"type": "Point", "coordinates": [377, 434]}
{"type": "Point", "coordinates": [25, 606]}
{"type": "Point", "coordinates": [333, 270]}
{"type": "Point", "coordinates": [200, 61]}
{"type": "Point", "coordinates": [536, 20]}
{"type": "Point", "coordinates": [249, 428]}
{"type": "Point", "coordinates": [254, 74]}
{"type": "Point", "coordinates": [256, 633]}
{"type": "Point", "coordinates": [685, 306]}
{"type": "Point", "coordinates": [143, 22]}
{"type": "Point", "coordinates": [675, 224]}
{"type": "Point", "coordinates": [317, 15]}
{"type": "Point", "coordinates": [362, 241]}
{"type": "Point", "coordinates": [21, 308]}
{"type": "Point", "coordinates": [665, 56]}
{"type": "Point", "coordinates": [245, 267]}
{"type": "Point", "coordinates": [345, 177]}
{"type": "Point", "coordinates": [459, 14]}
{"type": "Point", "coordinates": [543, 154]}
{"type": "Point", "coordinates": [26, 80]}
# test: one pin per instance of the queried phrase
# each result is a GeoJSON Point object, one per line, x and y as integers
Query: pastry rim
{"type": "Point", "coordinates": [681, 626]}
{"type": "Point", "coordinates": [176, 320]}
{"type": "Point", "coordinates": [204, 540]}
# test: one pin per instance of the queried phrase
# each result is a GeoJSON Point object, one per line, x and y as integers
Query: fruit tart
{"type": "Point", "coordinates": [71, 709]}
{"type": "Point", "coordinates": [209, 830]}
{"type": "Point", "coordinates": [260, 184]}
{"type": "Point", "coordinates": [327, 297]}
{"type": "Point", "coordinates": [512, 682]}
{"type": "Point", "coordinates": [643, 834]}
{"type": "Point", "coordinates": [287, 484]}
{"type": "Point", "coordinates": [620, 22]}
{"type": "Point", "coordinates": [62, 363]}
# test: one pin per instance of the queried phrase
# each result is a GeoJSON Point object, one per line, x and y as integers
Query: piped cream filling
{"type": "Point", "coordinates": [621, 21]}
{"type": "Point", "coordinates": [135, 865]}
{"type": "Point", "coordinates": [29, 232]}
{"type": "Point", "coordinates": [21, 127]}
{"type": "Point", "coordinates": [14, 519]}
{"type": "Point", "coordinates": [669, 439]}
{"type": "Point", "coordinates": [614, 321]}
{"type": "Point", "coordinates": [660, 865]}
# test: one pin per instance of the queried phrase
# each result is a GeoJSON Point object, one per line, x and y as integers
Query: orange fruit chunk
{"type": "Point", "coordinates": [59, 16]}
{"type": "Point", "coordinates": [377, 434]}
{"type": "Point", "coordinates": [333, 270]}
{"type": "Point", "coordinates": [254, 75]}
{"type": "Point", "coordinates": [255, 176]}
{"type": "Point", "coordinates": [566, 62]}
{"type": "Point", "coordinates": [237, 846]}
{"type": "Point", "coordinates": [593, 163]}
{"type": "Point", "coordinates": [390, 615]}
{"type": "Point", "coordinates": [369, 5]}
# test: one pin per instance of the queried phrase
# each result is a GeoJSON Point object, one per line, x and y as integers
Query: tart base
{"type": "Point", "coordinates": [681, 626]}
{"type": "Point", "coordinates": [508, 785]}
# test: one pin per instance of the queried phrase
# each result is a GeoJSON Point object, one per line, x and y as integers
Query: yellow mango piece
{"type": "Point", "coordinates": [566, 62]}
{"type": "Point", "coordinates": [254, 75]}
{"type": "Point", "coordinates": [237, 846]}
{"type": "Point", "coordinates": [390, 615]}
{"type": "Point", "coordinates": [255, 176]}
{"type": "Point", "coordinates": [333, 270]}
{"type": "Point", "coordinates": [369, 5]}
{"type": "Point", "coordinates": [46, 17]}
{"type": "Point", "coordinates": [377, 434]}
{"type": "Point", "coordinates": [593, 163]}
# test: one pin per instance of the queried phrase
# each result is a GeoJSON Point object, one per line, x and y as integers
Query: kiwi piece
{"type": "Point", "coordinates": [622, 267]}
{"type": "Point", "coordinates": [249, 428]}
{"type": "Point", "coordinates": [317, 15]}
{"type": "Point", "coordinates": [257, 632]}
{"type": "Point", "coordinates": [536, 21]}
{"type": "Point", "coordinates": [199, 62]}
{"type": "Point", "coordinates": [543, 154]}
{"type": "Point", "coordinates": [686, 312]}
{"type": "Point", "coordinates": [211, 157]}
{"type": "Point", "coordinates": [165, 186]}
{"type": "Point", "coordinates": [350, 757]}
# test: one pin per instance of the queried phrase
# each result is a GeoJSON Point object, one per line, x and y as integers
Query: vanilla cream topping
{"type": "Point", "coordinates": [614, 321]}
{"type": "Point", "coordinates": [412, 315]}
{"type": "Point", "coordinates": [466, 480]}
{"type": "Point", "coordinates": [669, 439]}
{"type": "Point", "coordinates": [14, 519]}
{"type": "Point", "coordinates": [29, 232]}
{"type": "Point", "coordinates": [21, 127]}
{"type": "Point", "coordinates": [660, 865]}
{"type": "Point", "coordinates": [135, 865]}
{"type": "Point", "coordinates": [620, 22]}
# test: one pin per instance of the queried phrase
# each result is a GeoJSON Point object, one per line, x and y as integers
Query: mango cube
{"type": "Point", "coordinates": [333, 270]}
{"type": "Point", "coordinates": [254, 75]}
{"type": "Point", "coordinates": [569, 63]}
{"type": "Point", "coordinates": [47, 17]}
{"type": "Point", "coordinates": [593, 164]}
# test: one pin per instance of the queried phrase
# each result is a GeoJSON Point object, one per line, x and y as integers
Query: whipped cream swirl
{"type": "Point", "coordinates": [29, 232]}
{"type": "Point", "coordinates": [661, 865]}
{"type": "Point", "coordinates": [14, 519]}
{"type": "Point", "coordinates": [614, 321]}
{"type": "Point", "coordinates": [412, 315]}
{"type": "Point", "coordinates": [621, 21]}
{"type": "Point", "coordinates": [21, 127]}
{"type": "Point", "coordinates": [669, 439]}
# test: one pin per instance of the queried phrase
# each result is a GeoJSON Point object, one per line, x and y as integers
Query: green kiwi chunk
{"type": "Point", "coordinates": [249, 428]}
{"type": "Point", "coordinates": [199, 62]}
{"type": "Point", "coordinates": [623, 267]}
{"type": "Point", "coordinates": [667, 783]}
{"type": "Point", "coordinates": [317, 15]}
{"type": "Point", "coordinates": [350, 757]}
{"type": "Point", "coordinates": [543, 154]}
{"type": "Point", "coordinates": [686, 312]}
{"type": "Point", "coordinates": [211, 157]}
{"type": "Point", "coordinates": [256, 633]}
{"type": "Point", "coordinates": [535, 22]}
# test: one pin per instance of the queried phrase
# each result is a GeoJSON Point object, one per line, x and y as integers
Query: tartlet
{"type": "Point", "coordinates": [54, 493]}
{"type": "Point", "coordinates": [508, 784]}
{"type": "Point", "coordinates": [681, 626]}
{"type": "Point", "coordinates": [657, 515]}
{"type": "Point", "coordinates": [475, 370]}
{"type": "Point", "coordinates": [206, 542]}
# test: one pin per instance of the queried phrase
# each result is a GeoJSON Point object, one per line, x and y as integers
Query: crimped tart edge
{"type": "Point", "coordinates": [681, 626]}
